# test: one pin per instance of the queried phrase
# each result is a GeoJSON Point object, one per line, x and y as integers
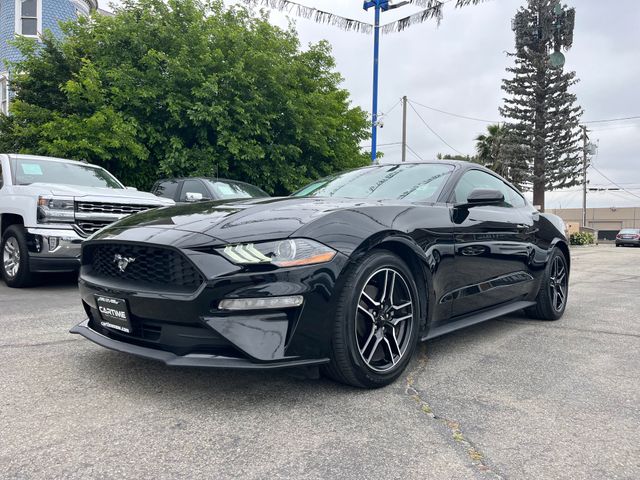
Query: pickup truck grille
{"type": "Point", "coordinates": [86, 228]}
{"type": "Point", "coordinates": [111, 208]}
{"type": "Point", "coordinates": [92, 216]}
{"type": "Point", "coordinates": [156, 267]}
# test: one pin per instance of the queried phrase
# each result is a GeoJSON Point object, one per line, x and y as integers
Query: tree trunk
{"type": "Point", "coordinates": [538, 193]}
{"type": "Point", "coordinates": [539, 137]}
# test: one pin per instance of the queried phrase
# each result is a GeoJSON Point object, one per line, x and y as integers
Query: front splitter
{"type": "Point", "coordinates": [191, 360]}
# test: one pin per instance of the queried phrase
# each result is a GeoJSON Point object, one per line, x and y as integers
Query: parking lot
{"type": "Point", "coordinates": [511, 398]}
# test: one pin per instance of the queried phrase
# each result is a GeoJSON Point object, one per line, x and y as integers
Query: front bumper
{"type": "Point", "coordinates": [188, 360]}
{"type": "Point", "coordinates": [53, 250]}
{"type": "Point", "coordinates": [188, 328]}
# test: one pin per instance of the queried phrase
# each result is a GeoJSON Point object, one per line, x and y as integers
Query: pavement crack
{"type": "Point", "coordinates": [36, 344]}
{"type": "Point", "coordinates": [473, 453]}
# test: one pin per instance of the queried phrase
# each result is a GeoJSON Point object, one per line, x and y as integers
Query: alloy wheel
{"type": "Point", "coordinates": [11, 257]}
{"type": "Point", "coordinates": [384, 319]}
{"type": "Point", "coordinates": [558, 283]}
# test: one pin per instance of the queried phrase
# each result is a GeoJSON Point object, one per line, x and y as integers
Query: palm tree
{"type": "Point", "coordinates": [488, 148]}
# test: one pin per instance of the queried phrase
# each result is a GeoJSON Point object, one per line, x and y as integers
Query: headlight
{"type": "Point", "coordinates": [55, 210]}
{"type": "Point", "coordinates": [282, 253]}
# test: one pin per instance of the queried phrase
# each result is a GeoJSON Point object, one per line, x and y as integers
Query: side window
{"type": "Point", "coordinates": [166, 189]}
{"type": "Point", "coordinates": [1, 177]}
{"type": "Point", "coordinates": [478, 179]}
{"type": "Point", "coordinates": [194, 186]}
{"type": "Point", "coordinates": [515, 199]}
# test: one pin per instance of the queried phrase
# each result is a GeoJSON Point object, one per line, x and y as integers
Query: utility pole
{"type": "Point", "coordinates": [584, 175]}
{"type": "Point", "coordinates": [404, 128]}
{"type": "Point", "coordinates": [379, 6]}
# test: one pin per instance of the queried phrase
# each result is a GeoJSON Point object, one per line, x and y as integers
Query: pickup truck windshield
{"type": "Point", "coordinates": [27, 171]}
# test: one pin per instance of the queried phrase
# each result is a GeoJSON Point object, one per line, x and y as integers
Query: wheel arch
{"type": "Point", "coordinates": [8, 219]}
{"type": "Point", "coordinates": [413, 256]}
{"type": "Point", "coordinates": [564, 248]}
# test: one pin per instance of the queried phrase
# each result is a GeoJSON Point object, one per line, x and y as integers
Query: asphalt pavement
{"type": "Point", "coordinates": [511, 398]}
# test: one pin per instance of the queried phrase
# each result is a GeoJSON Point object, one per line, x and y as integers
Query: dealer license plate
{"type": "Point", "coordinates": [114, 313]}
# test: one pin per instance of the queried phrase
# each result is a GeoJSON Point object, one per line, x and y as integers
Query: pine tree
{"type": "Point", "coordinates": [541, 138]}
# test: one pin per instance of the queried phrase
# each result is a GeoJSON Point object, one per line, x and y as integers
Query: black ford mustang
{"type": "Point", "coordinates": [348, 274]}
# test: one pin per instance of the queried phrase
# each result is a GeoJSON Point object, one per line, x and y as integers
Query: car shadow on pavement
{"type": "Point", "coordinates": [52, 281]}
{"type": "Point", "coordinates": [130, 375]}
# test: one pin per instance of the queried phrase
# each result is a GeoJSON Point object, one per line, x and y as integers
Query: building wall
{"type": "Point", "coordinates": [52, 12]}
{"type": "Point", "coordinates": [605, 220]}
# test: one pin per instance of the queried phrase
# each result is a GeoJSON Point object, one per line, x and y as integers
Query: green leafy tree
{"type": "Point", "coordinates": [541, 138]}
{"type": "Point", "coordinates": [185, 88]}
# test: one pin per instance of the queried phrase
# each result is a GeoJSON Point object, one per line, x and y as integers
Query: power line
{"type": "Point", "coordinates": [483, 120]}
{"type": "Point", "coordinates": [432, 130]}
{"type": "Point", "coordinates": [636, 117]}
{"type": "Point", "coordinates": [382, 144]}
{"type": "Point", "coordinates": [614, 183]}
{"type": "Point", "coordinates": [414, 152]}
{"type": "Point", "coordinates": [619, 195]}
{"type": "Point", "coordinates": [614, 127]}
{"type": "Point", "coordinates": [391, 109]}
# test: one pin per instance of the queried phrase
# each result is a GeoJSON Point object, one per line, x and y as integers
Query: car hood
{"type": "Point", "coordinates": [95, 194]}
{"type": "Point", "coordinates": [232, 222]}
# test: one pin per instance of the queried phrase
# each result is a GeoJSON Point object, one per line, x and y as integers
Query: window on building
{"type": "Point", "coordinates": [28, 17]}
{"type": "Point", "coordinates": [4, 93]}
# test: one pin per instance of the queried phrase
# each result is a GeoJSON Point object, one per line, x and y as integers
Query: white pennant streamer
{"type": "Point", "coordinates": [432, 10]}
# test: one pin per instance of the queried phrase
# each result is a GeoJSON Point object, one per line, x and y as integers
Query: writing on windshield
{"type": "Point", "coordinates": [29, 170]}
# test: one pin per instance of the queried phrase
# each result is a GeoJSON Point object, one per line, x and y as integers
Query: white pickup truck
{"type": "Point", "coordinates": [48, 206]}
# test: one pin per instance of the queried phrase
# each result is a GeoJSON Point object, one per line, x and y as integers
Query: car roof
{"type": "Point", "coordinates": [215, 179]}
{"type": "Point", "coordinates": [455, 163]}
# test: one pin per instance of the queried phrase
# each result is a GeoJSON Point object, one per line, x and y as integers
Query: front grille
{"type": "Point", "coordinates": [113, 208]}
{"type": "Point", "coordinates": [155, 267]}
{"type": "Point", "coordinates": [89, 227]}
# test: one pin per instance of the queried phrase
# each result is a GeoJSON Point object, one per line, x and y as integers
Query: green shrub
{"type": "Point", "coordinates": [582, 238]}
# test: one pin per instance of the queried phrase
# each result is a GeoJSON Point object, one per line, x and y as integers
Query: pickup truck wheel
{"type": "Point", "coordinates": [15, 257]}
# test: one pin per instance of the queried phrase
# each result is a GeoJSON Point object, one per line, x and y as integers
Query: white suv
{"type": "Point", "coordinates": [48, 206]}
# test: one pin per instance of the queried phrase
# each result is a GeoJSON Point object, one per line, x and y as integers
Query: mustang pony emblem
{"type": "Point", "coordinates": [123, 262]}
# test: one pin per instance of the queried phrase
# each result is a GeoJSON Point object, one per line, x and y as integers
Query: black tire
{"type": "Point", "coordinates": [15, 238]}
{"type": "Point", "coordinates": [548, 306]}
{"type": "Point", "coordinates": [388, 333]}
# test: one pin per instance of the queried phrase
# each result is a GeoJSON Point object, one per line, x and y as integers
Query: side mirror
{"type": "Point", "coordinates": [131, 188]}
{"type": "Point", "coordinates": [192, 197]}
{"type": "Point", "coordinates": [481, 197]}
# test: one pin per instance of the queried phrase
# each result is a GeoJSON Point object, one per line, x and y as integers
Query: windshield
{"type": "Point", "coordinates": [413, 182]}
{"type": "Point", "coordinates": [28, 170]}
{"type": "Point", "coordinates": [629, 230]}
{"type": "Point", "coordinates": [226, 190]}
